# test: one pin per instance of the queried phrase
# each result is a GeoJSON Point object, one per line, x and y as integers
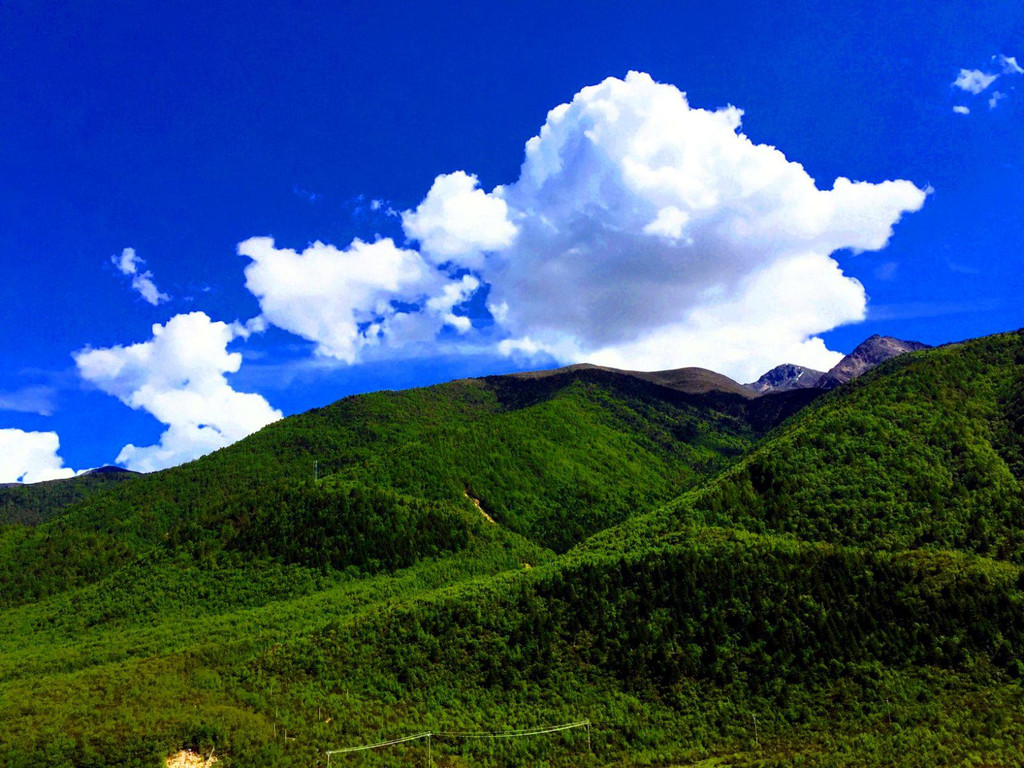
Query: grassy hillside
{"type": "Point", "coordinates": [848, 591]}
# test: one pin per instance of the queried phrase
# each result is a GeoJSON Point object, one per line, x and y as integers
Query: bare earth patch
{"type": "Point", "coordinates": [186, 758]}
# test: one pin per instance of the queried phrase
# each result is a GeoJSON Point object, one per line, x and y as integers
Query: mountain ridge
{"type": "Point", "coordinates": [870, 353]}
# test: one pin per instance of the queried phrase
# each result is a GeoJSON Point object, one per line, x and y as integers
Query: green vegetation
{"type": "Point", "coordinates": [925, 451]}
{"type": "Point", "coordinates": [846, 590]}
{"type": "Point", "coordinates": [554, 460]}
{"type": "Point", "coordinates": [39, 502]}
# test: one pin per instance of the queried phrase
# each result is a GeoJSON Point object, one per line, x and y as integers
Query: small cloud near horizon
{"type": "Point", "coordinates": [31, 457]}
{"type": "Point", "coordinates": [178, 377]}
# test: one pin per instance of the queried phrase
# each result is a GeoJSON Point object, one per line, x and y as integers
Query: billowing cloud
{"type": "Point", "coordinates": [178, 376]}
{"type": "Point", "coordinates": [30, 457]}
{"type": "Point", "coordinates": [345, 301]}
{"type": "Point", "coordinates": [458, 222]}
{"type": "Point", "coordinates": [995, 98]}
{"type": "Point", "coordinates": [961, 110]}
{"type": "Point", "coordinates": [641, 232]}
{"type": "Point", "coordinates": [128, 263]}
{"type": "Point", "coordinates": [973, 80]}
{"type": "Point", "coordinates": [652, 234]}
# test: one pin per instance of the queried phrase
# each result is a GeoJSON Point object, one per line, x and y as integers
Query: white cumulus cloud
{"type": "Point", "coordinates": [128, 263]}
{"type": "Point", "coordinates": [653, 234]}
{"type": "Point", "coordinates": [30, 457]}
{"type": "Point", "coordinates": [346, 301]}
{"type": "Point", "coordinates": [178, 376]}
{"type": "Point", "coordinates": [641, 232]}
{"type": "Point", "coordinates": [961, 110]}
{"type": "Point", "coordinates": [458, 222]}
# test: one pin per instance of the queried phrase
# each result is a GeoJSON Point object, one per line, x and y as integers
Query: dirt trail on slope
{"type": "Point", "coordinates": [476, 501]}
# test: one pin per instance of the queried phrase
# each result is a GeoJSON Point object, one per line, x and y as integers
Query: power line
{"type": "Point", "coordinates": [430, 735]}
{"type": "Point", "coordinates": [414, 737]}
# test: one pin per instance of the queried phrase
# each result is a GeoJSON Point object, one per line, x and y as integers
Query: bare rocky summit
{"type": "Point", "coordinates": [785, 377]}
{"type": "Point", "coordinates": [870, 353]}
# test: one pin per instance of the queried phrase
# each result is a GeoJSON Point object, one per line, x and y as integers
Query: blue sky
{"type": "Point", "coordinates": [648, 229]}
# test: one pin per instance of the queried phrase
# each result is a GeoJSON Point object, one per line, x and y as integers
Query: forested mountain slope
{"type": "Point", "coordinates": [925, 451]}
{"type": "Point", "coordinates": [553, 458]}
{"type": "Point", "coordinates": [39, 502]}
{"type": "Point", "coordinates": [846, 592]}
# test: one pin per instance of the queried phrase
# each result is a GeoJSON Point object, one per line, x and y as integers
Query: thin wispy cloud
{"type": "Point", "coordinates": [962, 269]}
{"type": "Point", "coordinates": [925, 309]}
{"type": "Point", "coordinates": [37, 399]}
{"type": "Point", "coordinates": [886, 271]}
{"type": "Point", "coordinates": [366, 209]}
{"type": "Point", "coordinates": [128, 263]}
{"type": "Point", "coordinates": [1009, 65]}
{"type": "Point", "coordinates": [305, 194]}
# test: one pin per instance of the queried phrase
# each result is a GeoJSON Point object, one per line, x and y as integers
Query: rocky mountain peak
{"type": "Point", "coordinates": [785, 377]}
{"type": "Point", "coordinates": [871, 352]}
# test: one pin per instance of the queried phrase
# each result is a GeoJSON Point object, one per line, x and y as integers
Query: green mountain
{"type": "Point", "coordinates": [38, 502]}
{"type": "Point", "coordinates": [706, 576]}
{"type": "Point", "coordinates": [553, 457]}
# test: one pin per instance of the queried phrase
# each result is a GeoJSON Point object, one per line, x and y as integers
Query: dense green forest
{"type": "Point", "coordinates": [706, 577]}
{"type": "Point", "coordinates": [38, 502]}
